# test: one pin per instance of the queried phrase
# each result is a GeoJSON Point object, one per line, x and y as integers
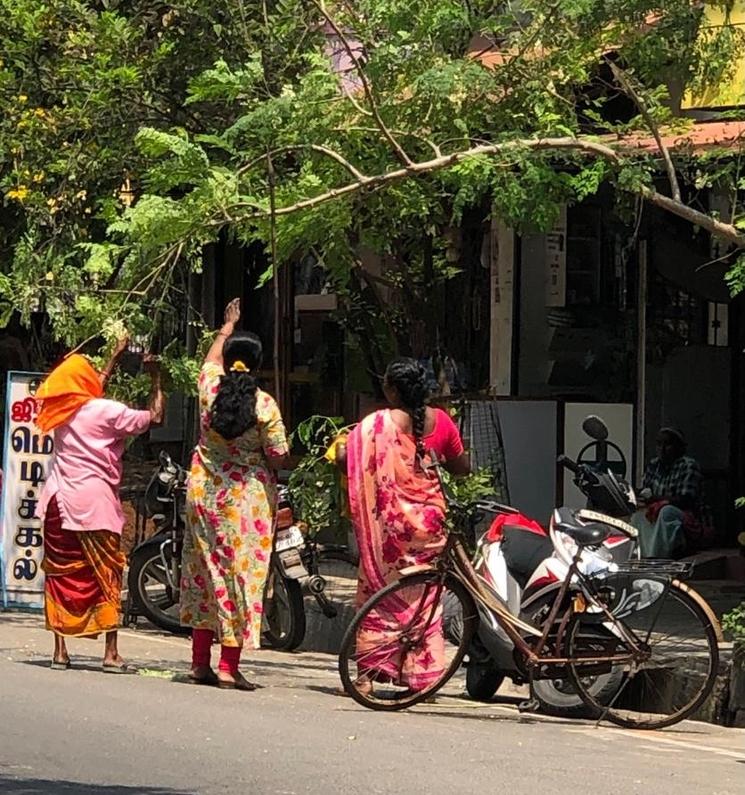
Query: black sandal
{"type": "Point", "coordinates": [240, 684]}
{"type": "Point", "coordinates": [209, 679]}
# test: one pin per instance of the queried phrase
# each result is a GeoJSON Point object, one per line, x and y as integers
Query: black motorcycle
{"type": "Point", "coordinates": [299, 565]}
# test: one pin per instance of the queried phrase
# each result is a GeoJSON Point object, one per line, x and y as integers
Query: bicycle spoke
{"type": "Point", "coordinates": [673, 670]}
{"type": "Point", "coordinates": [406, 641]}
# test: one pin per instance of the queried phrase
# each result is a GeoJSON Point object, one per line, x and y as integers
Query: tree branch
{"type": "Point", "coordinates": [438, 164]}
{"type": "Point", "coordinates": [324, 150]}
{"type": "Point", "coordinates": [431, 144]}
{"type": "Point", "coordinates": [675, 206]}
{"type": "Point", "coordinates": [727, 232]}
{"type": "Point", "coordinates": [626, 86]}
{"type": "Point", "coordinates": [400, 153]}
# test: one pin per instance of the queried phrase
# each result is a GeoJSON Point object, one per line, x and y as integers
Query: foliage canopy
{"type": "Point", "coordinates": [368, 125]}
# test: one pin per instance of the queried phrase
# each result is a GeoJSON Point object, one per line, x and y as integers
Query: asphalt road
{"type": "Point", "coordinates": [81, 731]}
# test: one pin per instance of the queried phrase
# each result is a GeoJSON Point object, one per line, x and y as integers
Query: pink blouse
{"type": "Point", "coordinates": [445, 438]}
{"type": "Point", "coordinates": [87, 465]}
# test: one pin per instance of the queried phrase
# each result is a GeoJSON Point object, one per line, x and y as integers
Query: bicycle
{"type": "Point", "coordinates": [636, 617]}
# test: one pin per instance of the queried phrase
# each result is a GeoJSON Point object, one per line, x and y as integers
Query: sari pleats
{"type": "Point", "coordinates": [83, 578]}
{"type": "Point", "coordinates": [398, 513]}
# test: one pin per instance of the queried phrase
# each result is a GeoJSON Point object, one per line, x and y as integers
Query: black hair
{"type": "Point", "coordinates": [409, 378]}
{"type": "Point", "coordinates": [234, 409]}
{"type": "Point", "coordinates": [676, 436]}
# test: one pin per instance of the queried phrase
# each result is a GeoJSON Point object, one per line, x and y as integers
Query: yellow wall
{"type": "Point", "coordinates": [731, 91]}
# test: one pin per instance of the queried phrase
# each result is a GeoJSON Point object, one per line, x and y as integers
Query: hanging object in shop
{"type": "Point", "coordinates": [26, 464]}
{"type": "Point", "coordinates": [556, 261]}
{"type": "Point", "coordinates": [718, 325]}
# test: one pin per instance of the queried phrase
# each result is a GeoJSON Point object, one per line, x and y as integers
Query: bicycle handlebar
{"type": "Point", "coordinates": [567, 463]}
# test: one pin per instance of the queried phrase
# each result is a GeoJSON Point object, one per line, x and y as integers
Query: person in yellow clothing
{"type": "Point", "coordinates": [230, 505]}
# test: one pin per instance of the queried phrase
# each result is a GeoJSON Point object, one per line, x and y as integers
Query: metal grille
{"type": "Point", "coordinates": [481, 430]}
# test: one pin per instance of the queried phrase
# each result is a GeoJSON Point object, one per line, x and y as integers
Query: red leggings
{"type": "Point", "coordinates": [201, 652]}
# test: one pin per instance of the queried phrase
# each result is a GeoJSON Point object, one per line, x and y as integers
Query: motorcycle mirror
{"type": "Point", "coordinates": [595, 428]}
{"type": "Point", "coordinates": [164, 458]}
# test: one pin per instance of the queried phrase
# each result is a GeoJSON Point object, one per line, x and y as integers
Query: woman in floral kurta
{"type": "Point", "coordinates": [230, 506]}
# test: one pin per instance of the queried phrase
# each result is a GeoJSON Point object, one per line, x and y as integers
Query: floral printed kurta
{"type": "Point", "coordinates": [230, 504]}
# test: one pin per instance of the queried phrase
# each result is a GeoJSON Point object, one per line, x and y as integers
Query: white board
{"type": "Point", "coordinates": [26, 463]}
{"type": "Point", "coordinates": [529, 436]}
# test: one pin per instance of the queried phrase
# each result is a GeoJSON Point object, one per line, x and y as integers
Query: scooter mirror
{"type": "Point", "coordinates": [164, 459]}
{"type": "Point", "coordinates": [595, 428]}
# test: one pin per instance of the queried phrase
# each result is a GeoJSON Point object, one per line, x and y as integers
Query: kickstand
{"type": "Point", "coordinates": [532, 704]}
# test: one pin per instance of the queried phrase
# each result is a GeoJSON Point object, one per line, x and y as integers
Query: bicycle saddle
{"type": "Point", "coordinates": [584, 533]}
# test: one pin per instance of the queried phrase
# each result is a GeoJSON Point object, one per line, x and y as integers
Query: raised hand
{"type": "Point", "coordinates": [121, 344]}
{"type": "Point", "coordinates": [233, 311]}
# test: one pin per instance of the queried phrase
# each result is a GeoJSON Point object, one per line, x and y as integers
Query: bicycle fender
{"type": "Point", "coordinates": [704, 605]}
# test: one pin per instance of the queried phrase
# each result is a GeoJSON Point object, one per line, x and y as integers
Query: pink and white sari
{"type": "Point", "coordinates": [398, 513]}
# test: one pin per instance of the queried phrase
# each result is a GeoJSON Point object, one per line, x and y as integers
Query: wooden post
{"type": "Point", "coordinates": [501, 314]}
{"type": "Point", "coordinates": [275, 283]}
{"type": "Point", "coordinates": [641, 358]}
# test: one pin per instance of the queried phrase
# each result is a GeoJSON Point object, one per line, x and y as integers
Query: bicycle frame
{"type": "Point", "coordinates": [455, 561]}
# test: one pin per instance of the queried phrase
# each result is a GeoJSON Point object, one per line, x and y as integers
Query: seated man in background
{"type": "Point", "coordinates": [673, 520]}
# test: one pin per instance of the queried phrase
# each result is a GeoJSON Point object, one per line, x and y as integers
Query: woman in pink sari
{"type": "Point", "coordinates": [398, 513]}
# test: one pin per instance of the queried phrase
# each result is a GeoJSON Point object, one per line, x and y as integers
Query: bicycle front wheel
{"type": "Point", "coordinates": [678, 636]}
{"type": "Point", "coordinates": [407, 641]}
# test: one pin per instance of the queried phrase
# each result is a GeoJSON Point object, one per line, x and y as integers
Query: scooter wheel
{"type": "Point", "coordinates": [482, 681]}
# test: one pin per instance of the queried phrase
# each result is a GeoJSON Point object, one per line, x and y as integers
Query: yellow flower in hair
{"type": "Point", "coordinates": [239, 367]}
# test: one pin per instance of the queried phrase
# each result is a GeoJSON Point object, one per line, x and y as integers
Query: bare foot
{"type": "Point", "coordinates": [363, 686]}
{"type": "Point", "coordinates": [60, 657]}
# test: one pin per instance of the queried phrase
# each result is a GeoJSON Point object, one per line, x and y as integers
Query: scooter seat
{"type": "Point", "coordinates": [586, 534]}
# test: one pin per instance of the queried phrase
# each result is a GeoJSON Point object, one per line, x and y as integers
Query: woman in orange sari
{"type": "Point", "coordinates": [80, 506]}
{"type": "Point", "coordinates": [398, 513]}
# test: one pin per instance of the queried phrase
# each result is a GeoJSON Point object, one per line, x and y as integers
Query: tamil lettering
{"type": "Point", "coordinates": [25, 442]}
{"type": "Point", "coordinates": [27, 506]}
{"type": "Point", "coordinates": [25, 469]}
{"type": "Point", "coordinates": [32, 472]}
{"type": "Point", "coordinates": [28, 537]}
{"type": "Point", "coordinates": [23, 410]}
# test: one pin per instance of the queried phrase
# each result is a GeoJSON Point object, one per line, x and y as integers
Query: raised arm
{"type": "Point", "coordinates": [116, 354]}
{"type": "Point", "coordinates": [157, 399]}
{"type": "Point", "coordinates": [232, 316]}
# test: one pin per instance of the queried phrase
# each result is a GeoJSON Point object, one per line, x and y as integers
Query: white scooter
{"type": "Point", "coordinates": [526, 565]}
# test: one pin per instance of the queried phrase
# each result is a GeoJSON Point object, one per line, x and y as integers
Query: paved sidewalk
{"type": "Point", "coordinates": [23, 640]}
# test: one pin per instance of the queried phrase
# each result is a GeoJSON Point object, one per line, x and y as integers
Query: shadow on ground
{"type": "Point", "coordinates": [40, 786]}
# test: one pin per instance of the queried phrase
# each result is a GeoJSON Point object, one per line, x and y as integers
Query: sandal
{"type": "Point", "coordinates": [60, 665]}
{"type": "Point", "coordinates": [116, 668]}
{"type": "Point", "coordinates": [209, 678]}
{"type": "Point", "coordinates": [241, 683]}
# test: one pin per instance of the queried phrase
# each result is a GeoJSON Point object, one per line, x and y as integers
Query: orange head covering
{"type": "Point", "coordinates": [69, 386]}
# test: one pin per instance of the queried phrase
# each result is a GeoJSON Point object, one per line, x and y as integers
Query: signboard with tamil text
{"type": "Point", "coordinates": [25, 466]}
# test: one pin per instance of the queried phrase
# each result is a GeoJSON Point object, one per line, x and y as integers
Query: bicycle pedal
{"type": "Point", "coordinates": [531, 705]}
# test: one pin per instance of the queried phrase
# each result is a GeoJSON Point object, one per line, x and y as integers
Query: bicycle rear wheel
{"type": "Point", "coordinates": [678, 633]}
{"type": "Point", "coordinates": [407, 641]}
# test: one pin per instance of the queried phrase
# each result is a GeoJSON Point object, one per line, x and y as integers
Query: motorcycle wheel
{"type": "Point", "coordinates": [283, 624]}
{"type": "Point", "coordinates": [150, 590]}
{"type": "Point", "coordinates": [482, 681]}
{"type": "Point", "coordinates": [559, 698]}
